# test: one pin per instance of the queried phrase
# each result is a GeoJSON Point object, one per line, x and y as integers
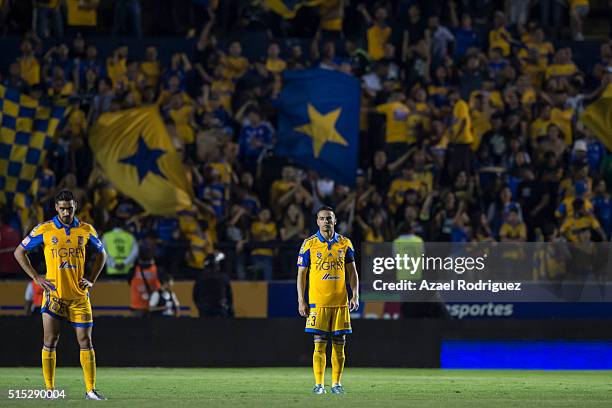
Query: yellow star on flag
{"type": "Point", "coordinates": [322, 129]}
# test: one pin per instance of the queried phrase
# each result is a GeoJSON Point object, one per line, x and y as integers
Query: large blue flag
{"type": "Point", "coordinates": [318, 122]}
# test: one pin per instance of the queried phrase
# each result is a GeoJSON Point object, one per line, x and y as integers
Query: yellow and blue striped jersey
{"type": "Point", "coordinates": [64, 249]}
{"type": "Point", "coordinates": [326, 262]}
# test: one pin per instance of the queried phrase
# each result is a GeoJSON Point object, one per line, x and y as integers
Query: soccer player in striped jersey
{"type": "Point", "coordinates": [327, 259]}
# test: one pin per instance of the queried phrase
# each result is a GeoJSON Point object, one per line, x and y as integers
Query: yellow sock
{"type": "Point", "coordinates": [88, 362]}
{"type": "Point", "coordinates": [48, 368]}
{"type": "Point", "coordinates": [318, 361]}
{"type": "Point", "coordinates": [337, 362]}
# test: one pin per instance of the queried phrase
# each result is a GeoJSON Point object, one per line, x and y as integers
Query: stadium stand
{"type": "Point", "coordinates": [469, 123]}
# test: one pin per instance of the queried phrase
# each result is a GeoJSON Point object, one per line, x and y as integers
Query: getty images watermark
{"type": "Point", "coordinates": [413, 265]}
{"type": "Point", "coordinates": [485, 272]}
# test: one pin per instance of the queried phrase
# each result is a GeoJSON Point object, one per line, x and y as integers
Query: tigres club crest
{"type": "Point", "coordinates": [80, 241]}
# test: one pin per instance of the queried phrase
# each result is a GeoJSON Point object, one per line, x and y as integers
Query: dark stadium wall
{"type": "Point", "coordinates": [112, 298]}
{"type": "Point", "coordinates": [275, 342]}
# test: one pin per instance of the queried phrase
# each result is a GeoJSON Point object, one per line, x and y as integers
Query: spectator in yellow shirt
{"type": "Point", "coordinates": [29, 67]}
{"type": "Point", "coordinates": [182, 114]}
{"type": "Point", "coordinates": [275, 65]}
{"type": "Point", "coordinates": [150, 67]}
{"type": "Point", "coordinates": [200, 246]}
{"type": "Point", "coordinates": [116, 67]}
{"type": "Point", "coordinates": [396, 121]}
{"type": "Point", "coordinates": [500, 37]}
{"type": "Point", "coordinates": [222, 88]}
{"type": "Point", "coordinates": [331, 13]}
{"type": "Point", "coordinates": [539, 127]}
{"type": "Point", "coordinates": [379, 31]}
{"type": "Point", "coordinates": [235, 65]}
{"type": "Point", "coordinates": [534, 58]}
{"type": "Point", "coordinates": [82, 15]}
{"type": "Point", "coordinates": [263, 230]}
{"type": "Point", "coordinates": [513, 229]}
{"type": "Point", "coordinates": [422, 172]}
{"type": "Point", "coordinates": [77, 122]}
{"type": "Point", "coordinates": [422, 110]}
{"type": "Point", "coordinates": [571, 190]}
{"type": "Point", "coordinates": [562, 65]}
{"type": "Point", "coordinates": [60, 87]}
{"type": "Point", "coordinates": [282, 186]}
{"type": "Point", "coordinates": [460, 136]}
{"type": "Point", "coordinates": [580, 220]}
{"type": "Point", "coordinates": [481, 119]}
{"type": "Point", "coordinates": [490, 95]}
{"type": "Point", "coordinates": [400, 186]}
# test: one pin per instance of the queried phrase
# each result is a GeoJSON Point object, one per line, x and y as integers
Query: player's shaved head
{"type": "Point", "coordinates": [326, 220]}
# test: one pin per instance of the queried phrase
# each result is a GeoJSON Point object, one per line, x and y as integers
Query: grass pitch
{"type": "Point", "coordinates": [282, 387]}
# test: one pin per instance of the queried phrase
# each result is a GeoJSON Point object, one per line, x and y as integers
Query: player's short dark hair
{"type": "Point", "coordinates": [64, 195]}
{"type": "Point", "coordinates": [325, 208]}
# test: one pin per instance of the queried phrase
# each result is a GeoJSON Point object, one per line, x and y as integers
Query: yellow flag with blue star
{"type": "Point", "coordinates": [27, 128]}
{"type": "Point", "coordinates": [318, 122]}
{"type": "Point", "coordinates": [137, 154]}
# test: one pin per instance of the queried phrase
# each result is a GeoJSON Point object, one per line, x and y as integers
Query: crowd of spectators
{"type": "Point", "coordinates": [468, 131]}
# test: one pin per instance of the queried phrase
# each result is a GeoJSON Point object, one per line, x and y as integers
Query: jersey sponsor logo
{"type": "Point", "coordinates": [327, 276]}
{"type": "Point", "coordinates": [334, 264]}
{"type": "Point", "coordinates": [68, 252]}
{"type": "Point", "coordinates": [54, 240]}
{"type": "Point", "coordinates": [319, 255]}
{"type": "Point", "coordinates": [66, 265]}
{"type": "Point", "coordinates": [25, 241]}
